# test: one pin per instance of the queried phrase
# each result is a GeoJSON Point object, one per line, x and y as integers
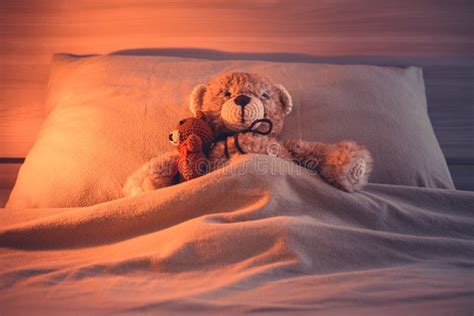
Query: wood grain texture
{"type": "Point", "coordinates": [8, 173]}
{"type": "Point", "coordinates": [463, 176]}
{"type": "Point", "coordinates": [4, 194]}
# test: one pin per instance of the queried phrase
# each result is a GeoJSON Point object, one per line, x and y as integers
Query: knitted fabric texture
{"type": "Point", "coordinates": [236, 118]}
{"type": "Point", "coordinates": [195, 140]}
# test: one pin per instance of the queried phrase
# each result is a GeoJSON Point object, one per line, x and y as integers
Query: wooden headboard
{"type": "Point", "coordinates": [434, 34]}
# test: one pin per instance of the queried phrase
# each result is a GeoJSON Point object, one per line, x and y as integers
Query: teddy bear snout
{"type": "Point", "coordinates": [242, 100]}
{"type": "Point", "coordinates": [239, 113]}
{"type": "Point", "coordinates": [174, 137]}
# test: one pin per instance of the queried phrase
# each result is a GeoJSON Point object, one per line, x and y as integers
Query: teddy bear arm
{"type": "Point", "coordinates": [346, 164]}
{"type": "Point", "coordinates": [193, 143]}
{"type": "Point", "coordinates": [306, 153]}
{"type": "Point", "coordinates": [156, 173]}
{"type": "Point", "coordinates": [192, 165]}
{"type": "Point", "coordinates": [217, 157]}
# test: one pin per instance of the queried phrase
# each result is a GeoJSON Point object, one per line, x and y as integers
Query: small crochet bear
{"type": "Point", "coordinates": [194, 139]}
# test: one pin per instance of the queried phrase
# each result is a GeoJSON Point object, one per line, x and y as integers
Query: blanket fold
{"type": "Point", "coordinates": [279, 232]}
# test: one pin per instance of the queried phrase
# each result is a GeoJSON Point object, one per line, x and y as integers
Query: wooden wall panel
{"type": "Point", "coordinates": [463, 175]}
{"type": "Point", "coordinates": [8, 172]}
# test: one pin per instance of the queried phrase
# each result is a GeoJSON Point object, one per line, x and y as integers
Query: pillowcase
{"type": "Point", "coordinates": [110, 114]}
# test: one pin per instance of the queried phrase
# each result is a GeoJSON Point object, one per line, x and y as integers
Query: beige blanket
{"type": "Point", "coordinates": [260, 235]}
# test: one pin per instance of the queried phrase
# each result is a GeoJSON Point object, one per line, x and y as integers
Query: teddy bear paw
{"type": "Point", "coordinates": [357, 171]}
{"type": "Point", "coordinates": [163, 166]}
{"type": "Point", "coordinates": [157, 173]}
{"type": "Point", "coordinates": [348, 166]}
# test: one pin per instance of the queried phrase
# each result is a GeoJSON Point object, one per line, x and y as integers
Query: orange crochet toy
{"type": "Point", "coordinates": [194, 139]}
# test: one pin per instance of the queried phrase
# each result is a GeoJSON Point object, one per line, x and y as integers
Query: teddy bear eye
{"type": "Point", "coordinates": [265, 95]}
{"type": "Point", "coordinates": [227, 94]}
{"type": "Point", "coordinates": [181, 122]}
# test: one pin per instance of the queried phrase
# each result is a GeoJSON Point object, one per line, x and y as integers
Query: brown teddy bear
{"type": "Point", "coordinates": [246, 113]}
{"type": "Point", "coordinates": [194, 138]}
{"type": "Point", "coordinates": [233, 102]}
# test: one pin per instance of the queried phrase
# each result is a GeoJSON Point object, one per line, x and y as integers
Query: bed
{"type": "Point", "coordinates": [284, 242]}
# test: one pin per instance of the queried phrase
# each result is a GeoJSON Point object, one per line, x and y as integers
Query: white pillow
{"type": "Point", "coordinates": [109, 114]}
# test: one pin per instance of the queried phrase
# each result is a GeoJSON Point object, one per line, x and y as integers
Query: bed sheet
{"type": "Point", "coordinates": [258, 236]}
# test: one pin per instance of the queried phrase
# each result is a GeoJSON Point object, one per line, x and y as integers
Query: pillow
{"type": "Point", "coordinates": [109, 114]}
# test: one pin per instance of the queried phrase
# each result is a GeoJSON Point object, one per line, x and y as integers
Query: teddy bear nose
{"type": "Point", "coordinates": [242, 100]}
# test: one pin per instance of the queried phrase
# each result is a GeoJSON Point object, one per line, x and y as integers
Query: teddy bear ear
{"type": "Point", "coordinates": [195, 100]}
{"type": "Point", "coordinates": [285, 99]}
{"type": "Point", "coordinates": [200, 115]}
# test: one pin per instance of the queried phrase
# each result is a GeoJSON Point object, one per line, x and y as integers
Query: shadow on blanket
{"type": "Point", "coordinates": [208, 244]}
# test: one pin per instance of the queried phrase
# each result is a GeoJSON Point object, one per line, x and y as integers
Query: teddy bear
{"type": "Point", "coordinates": [193, 138]}
{"type": "Point", "coordinates": [246, 112]}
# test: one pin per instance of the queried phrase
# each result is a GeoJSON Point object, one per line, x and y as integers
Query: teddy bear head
{"type": "Point", "coordinates": [190, 129]}
{"type": "Point", "coordinates": [232, 101]}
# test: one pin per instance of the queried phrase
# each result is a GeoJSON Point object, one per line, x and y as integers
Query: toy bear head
{"type": "Point", "coordinates": [197, 126]}
{"type": "Point", "coordinates": [233, 101]}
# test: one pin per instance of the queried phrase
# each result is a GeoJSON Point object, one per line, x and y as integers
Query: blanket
{"type": "Point", "coordinates": [260, 235]}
